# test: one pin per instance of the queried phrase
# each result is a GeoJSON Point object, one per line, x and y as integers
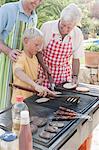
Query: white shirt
{"type": "Point", "coordinates": [51, 27]}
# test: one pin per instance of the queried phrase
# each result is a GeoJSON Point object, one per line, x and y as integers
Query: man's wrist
{"type": "Point", "coordinates": [75, 75]}
{"type": "Point", "coordinates": [9, 50]}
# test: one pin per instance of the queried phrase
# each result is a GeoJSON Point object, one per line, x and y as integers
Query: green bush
{"type": "Point", "coordinates": [92, 47]}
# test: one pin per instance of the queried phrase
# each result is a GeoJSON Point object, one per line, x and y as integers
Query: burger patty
{"type": "Point", "coordinates": [56, 124]}
{"type": "Point", "coordinates": [46, 135]}
{"type": "Point", "coordinates": [34, 128]}
{"type": "Point", "coordinates": [51, 129]}
{"type": "Point", "coordinates": [38, 121]}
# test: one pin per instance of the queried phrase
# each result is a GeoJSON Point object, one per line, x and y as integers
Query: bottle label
{"type": "Point", "coordinates": [25, 121]}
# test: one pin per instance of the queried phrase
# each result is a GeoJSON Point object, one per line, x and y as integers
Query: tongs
{"type": "Point", "coordinates": [82, 116]}
{"type": "Point", "coordinates": [63, 118]}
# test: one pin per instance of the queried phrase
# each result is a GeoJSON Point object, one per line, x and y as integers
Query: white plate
{"type": "Point", "coordinates": [69, 85]}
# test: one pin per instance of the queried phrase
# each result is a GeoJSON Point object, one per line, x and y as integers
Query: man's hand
{"type": "Point", "coordinates": [13, 54]}
{"type": "Point", "coordinates": [74, 80]}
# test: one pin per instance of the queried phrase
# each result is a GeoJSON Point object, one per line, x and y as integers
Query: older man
{"type": "Point", "coordinates": [14, 18]}
{"type": "Point", "coordinates": [63, 40]}
{"type": "Point", "coordinates": [24, 10]}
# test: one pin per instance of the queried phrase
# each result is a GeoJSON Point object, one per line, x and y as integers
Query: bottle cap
{"type": "Point", "coordinates": [19, 98]}
{"type": "Point", "coordinates": [8, 136]}
{"type": "Point", "coordinates": [25, 117]}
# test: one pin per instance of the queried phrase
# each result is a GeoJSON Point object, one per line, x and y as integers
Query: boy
{"type": "Point", "coordinates": [25, 70]}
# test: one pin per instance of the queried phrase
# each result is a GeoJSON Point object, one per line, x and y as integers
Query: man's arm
{"type": "Point", "coordinates": [40, 59]}
{"type": "Point", "coordinates": [75, 69]}
{"type": "Point", "coordinates": [45, 68]}
{"type": "Point", "coordinates": [8, 51]}
{"type": "Point", "coordinates": [4, 48]}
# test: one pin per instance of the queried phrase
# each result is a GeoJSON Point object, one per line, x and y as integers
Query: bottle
{"type": "Point", "coordinates": [16, 109]}
{"type": "Point", "coordinates": [25, 136]}
{"type": "Point", "coordinates": [9, 141]}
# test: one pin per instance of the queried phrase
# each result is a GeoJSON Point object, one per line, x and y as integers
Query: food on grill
{"type": "Point", "coordinates": [63, 118]}
{"type": "Point", "coordinates": [66, 109]}
{"type": "Point", "coordinates": [57, 92]}
{"type": "Point", "coordinates": [52, 129]}
{"type": "Point", "coordinates": [46, 135]}
{"type": "Point", "coordinates": [69, 85]}
{"type": "Point", "coordinates": [38, 121]}
{"type": "Point", "coordinates": [68, 99]}
{"type": "Point", "coordinates": [82, 89]}
{"type": "Point", "coordinates": [72, 99]}
{"type": "Point", "coordinates": [64, 113]}
{"type": "Point", "coordinates": [34, 128]}
{"type": "Point", "coordinates": [68, 117]}
{"type": "Point", "coordinates": [76, 100]}
{"type": "Point", "coordinates": [33, 118]}
{"type": "Point", "coordinates": [42, 100]}
{"type": "Point", "coordinates": [56, 124]}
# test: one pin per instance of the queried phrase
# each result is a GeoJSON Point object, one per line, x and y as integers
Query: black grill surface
{"type": "Point", "coordinates": [47, 109]}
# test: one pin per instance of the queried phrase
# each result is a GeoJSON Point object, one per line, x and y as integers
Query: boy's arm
{"type": "Point", "coordinates": [40, 59]}
{"type": "Point", "coordinates": [24, 77]}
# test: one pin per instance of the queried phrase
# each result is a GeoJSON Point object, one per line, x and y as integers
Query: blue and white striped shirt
{"type": "Point", "coordinates": [8, 15]}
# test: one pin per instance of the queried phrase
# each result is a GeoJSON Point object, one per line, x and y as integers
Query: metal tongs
{"type": "Point", "coordinates": [82, 116]}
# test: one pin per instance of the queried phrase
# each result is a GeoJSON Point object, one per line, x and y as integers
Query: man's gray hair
{"type": "Point", "coordinates": [71, 13]}
{"type": "Point", "coordinates": [32, 33]}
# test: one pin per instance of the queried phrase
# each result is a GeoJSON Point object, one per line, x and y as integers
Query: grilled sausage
{"type": "Point", "coordinates": [60, 112]}
{"type": "Point", "coordinates": [67, 110]}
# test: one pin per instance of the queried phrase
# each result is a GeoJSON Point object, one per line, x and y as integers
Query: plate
{"type": "Point", "coordinates": [69, 85]}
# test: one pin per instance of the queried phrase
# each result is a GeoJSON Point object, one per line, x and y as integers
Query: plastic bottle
{"type": "Point", "coordinates": [9, 141]}
{"type": "Point", "coordinates": [25, 136]}
{"type": "Point", "coordinates": [16, 110]}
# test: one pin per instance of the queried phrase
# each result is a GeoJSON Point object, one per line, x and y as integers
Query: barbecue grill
{"type": "Point", "coordinates": [74, 131]}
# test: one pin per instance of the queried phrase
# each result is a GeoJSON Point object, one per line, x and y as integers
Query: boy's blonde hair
{"type": "Point", "coordinates": [32, 33]}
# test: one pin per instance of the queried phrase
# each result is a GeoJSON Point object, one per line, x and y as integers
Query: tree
{"type": "Point", "coordinates": [50, 10]}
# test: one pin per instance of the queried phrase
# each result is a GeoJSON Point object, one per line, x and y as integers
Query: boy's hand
{"type": "Point", "coordinates": [43, 91]}
{"type": "Point", "coordinates": [39, 81]}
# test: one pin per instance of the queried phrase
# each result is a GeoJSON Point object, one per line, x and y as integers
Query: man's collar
{"type": "Point", "coordinates": [22, 10]}
{"type": "Point", "coordinates": [21, 7]}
